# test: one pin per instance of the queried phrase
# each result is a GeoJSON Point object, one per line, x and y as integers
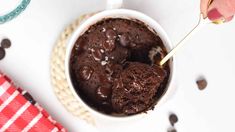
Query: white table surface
{"type": "Point", "coordinates": [209, 53]}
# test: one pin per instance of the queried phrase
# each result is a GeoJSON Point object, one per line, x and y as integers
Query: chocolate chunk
{"type": "Point", "coordinates": [29, 98]}
{"type": "Point", "coordinates": [97, 55]}
{"type": "Point", "coordinates": [6, 43]}
{"type": "Point", "coordinates": [111, 34]}
{"type": "Point", "coordinates": [173, 119]}
{"type": "Point", "coordinates": [85, 72]}
{"type": "Point", "coordinates": [103, 93]}
{"type": "Point", "coordinates": [2, 53]}
{"type": "Point", "coordinates": [125, 40]}
{"type": "Point", "coordinates": [201, 83]}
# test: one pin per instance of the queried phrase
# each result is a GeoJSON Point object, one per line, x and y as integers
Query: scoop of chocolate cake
{"type": "Point", "coordinates": [134, 90]}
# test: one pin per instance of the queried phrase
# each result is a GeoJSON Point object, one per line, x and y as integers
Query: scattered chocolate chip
{"type": "Point", "coordinates": [124, 40]}
{"type": "Point", "coordinates": [85, 72]}
{"type": "Point", "coordinates": [6, 43]}
{"type": "Point", "coordinates": [97, 55]}
{"type": "Point", "coordinates": [201, 83]}
{"type": "Point", "coordinates": [2, 53]}
{"type": "Point", "coordinates": [111, 34]}
{"type": "Point", "coordinates": [173, 119]}
{"type": "Point", "coordinates": [29, 98]}
{"type": "Point", "coordinates": [103, 93]}
{"type": "Point", "coordinates": [171, 130]}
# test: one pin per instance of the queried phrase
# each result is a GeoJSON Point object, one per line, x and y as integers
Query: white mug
{"type": "Point", "coordinates": [114, 11]}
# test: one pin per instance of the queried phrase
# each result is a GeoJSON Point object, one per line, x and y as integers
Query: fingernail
{"type": "Point", "coordinates": [214, 14]}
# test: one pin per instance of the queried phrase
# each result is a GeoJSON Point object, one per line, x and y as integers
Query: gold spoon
{"type": "Point", "coordinates": [201, 22]}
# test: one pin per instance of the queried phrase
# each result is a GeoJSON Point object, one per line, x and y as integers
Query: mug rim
{"type": "Point", "coordinates": [128, 14]}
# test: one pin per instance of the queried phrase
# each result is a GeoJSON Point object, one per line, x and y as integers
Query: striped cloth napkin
{"type": "Point", "coordinates": [19, 112]}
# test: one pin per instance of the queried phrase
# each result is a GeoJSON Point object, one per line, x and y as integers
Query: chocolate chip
{"type": "Point", "coordinates": [125, 40]}
{"type": "Point", "coordinates": [2, 53]}
{"type": "Point", "coordinates": [6, 43]}
{"type": "Point", "coordinates": [201, 83]}
{"type": "Point", "coordinates": [111, 34]}
{"type": "Point", "coordinates": [173, 119]}
{"type": "Point", "coordinates": [97, 55]}
{"type": "Point", "coordinates": [29, 98]}
{"type": "Point", "coordinates": [85, 72]}
{"type": "Point", "coordinates": [103, 93]}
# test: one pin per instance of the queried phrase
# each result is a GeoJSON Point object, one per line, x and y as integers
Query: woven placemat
{"type": "Point", "coordinates": [58, 78]}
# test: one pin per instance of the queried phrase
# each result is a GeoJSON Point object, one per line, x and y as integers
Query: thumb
{"type": "Point", "coordinates": [221, 9]}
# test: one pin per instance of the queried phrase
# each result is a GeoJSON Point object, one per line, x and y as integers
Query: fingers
{"type": "Point", "coordinates": [204, 7]}
{"type": "Point", "coordinates": [221, 9]}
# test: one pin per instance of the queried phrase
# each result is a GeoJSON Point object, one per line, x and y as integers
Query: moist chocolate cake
{"type": "Point", "coordinates": [113, 67]}
{"type": "Point", "coordinates": [134, 89]}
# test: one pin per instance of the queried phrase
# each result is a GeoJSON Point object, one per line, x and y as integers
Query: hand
{"type": "Point", "coordinates": [218, 9]}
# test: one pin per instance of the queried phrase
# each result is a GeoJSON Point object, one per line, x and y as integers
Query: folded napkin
{"type": "Point", "coordinates": [19, 112]}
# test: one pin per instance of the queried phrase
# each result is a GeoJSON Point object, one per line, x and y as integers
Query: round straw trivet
{"type": "Point", "coordinates": [58, 78]}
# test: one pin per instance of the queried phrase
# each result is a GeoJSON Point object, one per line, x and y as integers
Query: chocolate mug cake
{"type": "Point", "coordinates": [114, 67]}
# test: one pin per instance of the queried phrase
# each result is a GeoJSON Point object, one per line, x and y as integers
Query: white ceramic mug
{"type": "Point", "coordinates": [113, 12]}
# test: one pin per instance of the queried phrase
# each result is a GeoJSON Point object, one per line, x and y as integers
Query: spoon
{"type": "Point", "coordinates": [201, 23]}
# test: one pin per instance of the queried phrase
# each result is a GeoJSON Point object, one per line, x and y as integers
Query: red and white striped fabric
{"type": "Point", "coordinates": [20, 113]}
